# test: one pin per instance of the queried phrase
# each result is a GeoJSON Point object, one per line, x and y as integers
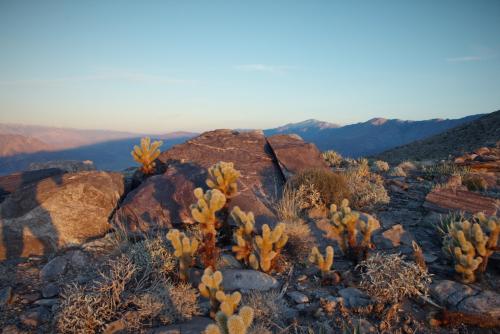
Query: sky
{"type": "Point", "coordinates": [161, 66]}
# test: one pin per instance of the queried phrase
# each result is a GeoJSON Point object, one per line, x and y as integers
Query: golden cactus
{"type": "Point", "coordinates": [185, 249]}
{"type": "Point", "coordinates": [234, 324]}
{"type": "Point", "coordinates": [228, 303]}
{"type": "Point", "coordinates": [352, 233]}
{"type": "Point", "coordinates": [471, 244]}
{"type": "Point", "coordinates": [146, 154]}
{"type": "Point", "coordinates": [204, 212]}
{"type": "Point", "coordinates": [209, 286]}
{"type": "Point", "coordinates": [223, 176]}
{"type": "Point", "coordinates": [324, 263]}
{"type": "Point", "coordinates": [267, 247]}
{"type": "Point", "coordinates": [243, 236]}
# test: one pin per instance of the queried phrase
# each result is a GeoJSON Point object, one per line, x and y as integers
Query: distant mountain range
{"type": "Point", "coordinates": [484, 131]}
{"type": "Point", "coordinates": [367, 138]}
{"type": "Point", "coordinates": [21, 145]}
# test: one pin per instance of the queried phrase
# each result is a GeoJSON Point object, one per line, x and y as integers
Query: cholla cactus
{"type": "Point", "coordinates": [209, 287]}
{"type": "Point", "coordinates": [471, 244]}
{"type": "Point", "coordinates": [228, 303]}
{"type": "Point", "coordinates": [352, 233]}
{"type": "Point", "coordinates": [204, 213]}
{"type": "Point", "coordinates": [267, 247]}
{"type": "Point", "coordinates": [146, 154]}
{"type": "Point", "coordinates": [235, 324]}
{"type": "Point", "coordinates": [324, 263]}
{"type": "Point", "coordinates": [243, 236]}
{"type": "Point", "coordinates": [206, 207]}
{"type": "Point", "coordinates": [185, 249]}
{"type": "Point", "coordinates": [223, 176]}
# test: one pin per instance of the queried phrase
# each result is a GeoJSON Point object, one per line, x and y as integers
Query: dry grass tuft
{"type": "Point", "coordinates": [332, 187]}
{"type": "Point", "coordinates": [288, 207]}
{"type": "Point", "coordinates": [407, 166]}
{"type": "Point", "coordinates": [397, 171]}
{"type": "Point", "coordinates": [152, 257]}
{"type": "Point", "coordinates": [475, 182]}
{"type": "Point", "coordinates": [381, 166]}
{"type": "Point", "coordinates": [389, 279]}
{"type": "Point", "coordinates": [300, 240]}
{"type": "Point", "coordinates": [367, 188]}
{"type": "Point", "coordinates": [269, 308]}
{"type": "Point", "coordinates": [332, 158]}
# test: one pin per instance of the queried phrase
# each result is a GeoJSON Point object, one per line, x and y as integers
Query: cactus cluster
{"type": "Point", "coordinates": [228, 302]}
{"type": "Point", "coordinates": [353, 234]}
{"type": "Point", "coordinates": [185, 249]}
{"type": "Point", "coordinates": [209, 287]}
{"type": "Point", "coordinates": [224, 177]}
{"type": "Point", "coordinates": [267, 247]}
{"type": "Point", "coordinates": [324, 263]}
{"type": "Point", "coordinates": [234, 324]}
{"type": "Point", "coordinates": [470, 244]}
{"type": "Point", "coordinates": [146, 154]}
{"type": "Point", "coordinates": [244, 234]}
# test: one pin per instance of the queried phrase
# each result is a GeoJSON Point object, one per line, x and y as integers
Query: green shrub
{"type": "Point", "coordinates": [333, 187]}
{"type": "Point", "coordinates": [367, 191]}
{"type": "Point", "coordinates": [475, 182]}
{"type": "Point", "coordinates": [444, 169]}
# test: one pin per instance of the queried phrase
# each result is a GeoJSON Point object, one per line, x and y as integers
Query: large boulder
{"type": "Point", "coordinates": [164, 199]}
{"type": "Point", "coordinates": [294, 154]}
{"type": "Point", "coordinates": [448, 199]}
{"type": "Point", "coordinates": [12, 182]}
{"type": "Point", "coordinates": [56, 212]}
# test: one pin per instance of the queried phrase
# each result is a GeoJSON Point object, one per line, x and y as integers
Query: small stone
{"type": "Point", "coordinates": [429, 258]}
{"type": "Point", "coordinates": [365, 327]}
{"type": "Point", "coordinates": [47, 302]}
{"type": "Point", "coordinates": [354, 297]}
{"type": "Point", "coordinates": [227, 261]}
{"type": "Point", "coordinates": [5, 296]}
{"type": "Point", "coordinates": [54, 269]}
{"type": "Point", "coordinates": [247, 279]}
{"type": "Point", "coordinates": [34, 317]}
{"type": "Point", "coordinates": [194, 326]}
{"type": "Point", "coordinates": [11, 329]}
{"type": "Point", "coordinates": [30, 297]}
{"type": "Point", "coordinates": [451, 293]}
{"type": "Point", "coordinates": [77, 259]}
{"type": "Point", "coordinates": [50, 290]}
{"type": "Point", "coordinates": [302, 278]}
{"type": "Point", "coordinates": [298, 297]}
{"type": "Point", "coordinates": [487, 302]}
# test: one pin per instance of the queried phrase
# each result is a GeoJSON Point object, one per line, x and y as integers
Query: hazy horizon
{"type": "Point", "coordinates": [157, 67]}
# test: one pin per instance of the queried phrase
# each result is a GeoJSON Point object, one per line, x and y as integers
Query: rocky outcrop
{"type": "Point", "coordinates": [446, 200]}
{"type": "Point", "coordinates": [294, 154]}
{"type": "Point", "coordinates": [56, 212]}
{"type": "Point", "coordinates": [69, 166]}
{"type": "Point", "coordinates": [12, 182]}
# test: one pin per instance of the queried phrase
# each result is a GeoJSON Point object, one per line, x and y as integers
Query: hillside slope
{"type": "Point", "coordinates": [484, 131]}
{"type": "Point", "coordinates": [367, 138]}
{"type": "Point", "coordinates": [11, 144]}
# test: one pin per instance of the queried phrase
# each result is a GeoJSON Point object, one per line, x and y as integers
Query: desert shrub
{"type": "Point", "coordinates": [269, 308]}
{"type": "Point", "coordinates": [332, 158]}
{"type": "Point", "coordinates": [397, 171]}
{"type": "Point", "coordinates": [152, 257]}
{"type": "Point", "coordinates": [381, 166]}
{"type": "Point", "coordinates": [332, 187]}
{"type": "Point", "coordinates": [289, 206]}
{"type": "Point", "coordinates": [124, 293]}
{"type": "Point", "coordinates": [367, 189]}
{"type": "Point", "coordinates": [445, 169]}
{"type": "Point", "coordinates": [407, 166]}
{"type": "Point", "coordinates": [475, 182]}
{"type": "Point", "coordinates": [388, 279]}
{"type": "Point", "coordinates": [309, 197]}
{"type": "Point", "coordinates": [300, 240]}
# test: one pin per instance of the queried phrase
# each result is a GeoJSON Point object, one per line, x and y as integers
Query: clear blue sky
{"type": "Point", "coordinates": [193, 65]}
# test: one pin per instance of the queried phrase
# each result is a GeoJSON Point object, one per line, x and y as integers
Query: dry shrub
{"type": "Point", "coordinates": [380, 166]}
{"type": "Point", "coordinates": [389, 279]}
{"type": "Point", "coordinates": [475, 182]}
{"type": "Point", "coordinates": [269, 308]}
{"type": "Point", "coordinates": [367, 189]}
{"type": "Point", "coordinates": [300, 240]}
{"type": "Point", "coordinates": [288, 207]}
{"type": "Point", "coordinates": [332, 158]}
{"type": "Point", "coordinates": [152, 257]}
{"type": "Point", "coordinates": [407, 166]}
{"type": "Point", "coordinates": [127, 294]}
{"type": "Point", "coordinates": [309, 197]}
{"type": "Point", "coordinates": [332, 187]}
{"type": "Point", "coordinates": [397, 171]}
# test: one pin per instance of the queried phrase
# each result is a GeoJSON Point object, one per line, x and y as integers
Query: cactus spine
{"type": "Point", "coordinates": [185, 250]}
{"type": "Point", "coordinates": [324, 263]}
{"type": "Point", "coordinates": [224, 177]}
{"type": "Point", "coordinates": [146, 154]}
{"type": "Point", "coordinates": [352, 233]}
{"type": "Point", "coordinates": [244, 234]}
{"type": "Point", "coordinates": [267, 247]}
{"type": "Point", "coordinates": [235, 324]}
{"type": "Point", "coordinates": [209, 287]}
{"type": "Point", "coordinates": [204, 213]}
